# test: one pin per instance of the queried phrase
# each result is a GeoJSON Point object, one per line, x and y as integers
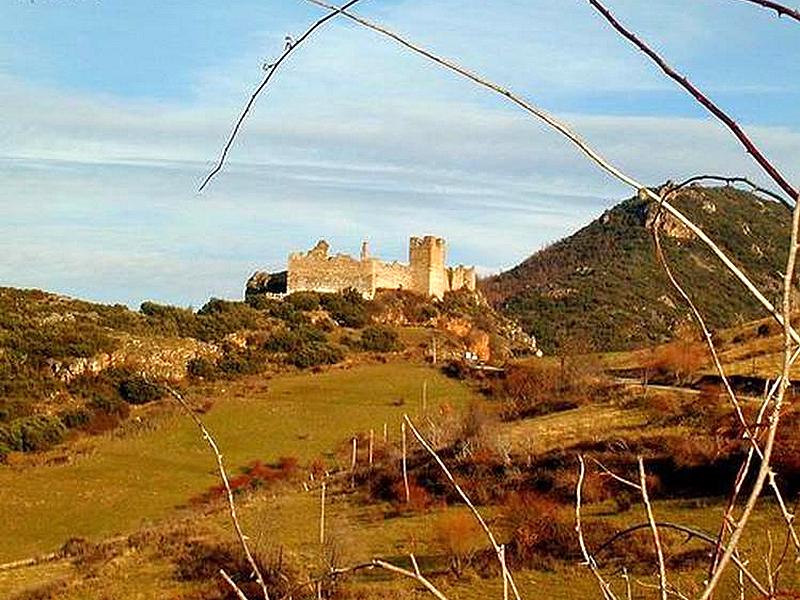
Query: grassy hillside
{"type": "Point", "coordinates": [120, 482]}
{"type": "Point", "coordinates": [603, 287]}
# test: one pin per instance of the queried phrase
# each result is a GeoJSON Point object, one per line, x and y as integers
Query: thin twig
{"type": "Point", "coordinates": [696, 533]}
{"type": "Point", "coordinates": [732, 180]}
{"type": "Point", "coordinates": [588, 559]}
{"type": "Point", "coordinates": [704, 100]}
{"type": "Point", "coordinates": [788, 354]}
{"type": "Point", "coordinates": [783, 11]}
{"type": "Point", "coordinates": [466, 500]}
{"type": "Point", "coordinates": [236, 589]}
{"type": "Point", "coordinates": [573, 137]}
{"type": "Point", "coordinates": [271, 71]}
{"type": "Point", "coordinates": [613, 475]}
{"type": "Point", "coordinates": [418, 576]}
{"type": "Point", "coordinates": [229, 492]}
{"type": "Point", "coordinates": [662, 571]}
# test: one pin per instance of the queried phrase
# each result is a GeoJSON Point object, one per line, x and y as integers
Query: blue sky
{"type": "Point", "coordinates": [111, 112]}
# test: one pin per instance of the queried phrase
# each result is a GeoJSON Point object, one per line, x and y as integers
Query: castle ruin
{"type": "Point", "coordinates": [426, 272]}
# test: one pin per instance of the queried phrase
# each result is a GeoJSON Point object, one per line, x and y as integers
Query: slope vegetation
{"type": "Point", "coordinates": [604, 287]}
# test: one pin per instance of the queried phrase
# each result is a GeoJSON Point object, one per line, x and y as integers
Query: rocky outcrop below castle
{"type": "Point", "coordinates": [264, 283]}
{"type": "Point", "coordinates": [159, 358]}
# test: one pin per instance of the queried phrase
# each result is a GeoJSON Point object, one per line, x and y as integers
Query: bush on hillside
{"type": "Point", "coordinates": [303, 300]}
{"type": "Point", "coordinates": [201, 367]}
{"type": "Point", "coordinates": [379, 338]}
{"type": "Point", "coordinates": [30, 434]}
{"type": "Point", "coordinates": [248, 361]}
{"type": "Point", "coordinates": [347, 308]}
{"type": "Point", "coordinates": [315, 354]}
{"type": "Point", "coordinates": [138, 390]}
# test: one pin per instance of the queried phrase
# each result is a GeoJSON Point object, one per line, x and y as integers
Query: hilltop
{"type": "Point", "coordinates": [603, 289]}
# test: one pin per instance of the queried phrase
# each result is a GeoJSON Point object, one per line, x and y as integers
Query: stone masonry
{"type": "Point", "coordinates": [426, 272]}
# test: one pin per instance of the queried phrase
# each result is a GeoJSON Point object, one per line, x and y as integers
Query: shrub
{"type": "Point", "coordinates": [540, 529]}
{"type": "Point", "coordinates": [202, 368]}
{"type": "Point", "coordinates": [347, 308]}
{"type": "Point", "coordinates": [109, 406]}
{"type": "Point", "coordinates": [303, 300]}
{"type": "Point", "coordinates": [459, 537]}
{"type": "Point", "coordinates": [202, 560]}
{"type": "Point", "coordinates": [31, 434]}
{"type": "Point", "coordinates": [379, 338]}
{"type": "Point", "coordinates": [528, 391]}
{"type": "Point", "coordinates": [139, 390]}
{"type": "Point", "coordinates": [242, 362]}
{"type": "Point", "coordinates": [314, 354]}
{"type": "Point", "coordinates": [75, 419]}
{"type": "Point", "coordinates": [679, 361]}
{"type": "Point", "coordinates": [294, 339]}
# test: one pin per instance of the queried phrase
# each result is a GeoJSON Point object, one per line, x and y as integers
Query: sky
{"type": "Point", "coordinates": [112, 112]}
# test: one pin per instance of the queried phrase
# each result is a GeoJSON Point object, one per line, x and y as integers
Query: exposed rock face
{"type": "Point", "coordinates": [262, 282]}
{"type": "Point", "coordinates": [668, 225]}
{"type": "Point", "coordinates": [156, 357]}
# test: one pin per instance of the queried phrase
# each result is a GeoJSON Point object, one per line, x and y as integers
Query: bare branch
{"type": "Point", "coordinates": [290, 47]}
{"type": "Point", "coordinates": [236, 589]}
{"type": "Point", "coordinates": [695, 533]}
{"type": "Point", "coordinates": [728, 180]}
{"type": "Point", "coordinates": [411, 574]}
{"type": "Point", "coordinates": [229, 492]}
{"type": "Point", "coordinates": [573, 137]}
{"type": "Point", "coordinates": [588, 559]}
{"type": "Point", "coordinates": [789, 354]}
{"type": "Point", "coordinates": [467, 501]}
{"type": "Point", "coordinates": [780, 9]}
{"type": "Point", "coordinates": [704, 100]}
{"type": "Point", "coordinates": [662, 571]}
{"type": "Point", "coordinates": [613, 475]}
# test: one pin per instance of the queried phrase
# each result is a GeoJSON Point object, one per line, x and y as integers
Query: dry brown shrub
{"type": "Point", "coordinates": [459, 537]}
{"type": "Point", "coordinates": [679, 360]}
{"type": "Point", "coordinates": [420, 499]}
{"type": "Point", "coordinates": [540, 529]}
{"type": "Point", "coordinates": [694, 450]}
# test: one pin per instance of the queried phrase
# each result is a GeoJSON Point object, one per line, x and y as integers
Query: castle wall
{"type": "Point", "coordinates": [393, 276]}
{"type": "Point", "coordinates": [462, 277]}
{"type": "Point", "coordinates": [321, 273]}
{"type": "Point", "coordinates": [425, 274]}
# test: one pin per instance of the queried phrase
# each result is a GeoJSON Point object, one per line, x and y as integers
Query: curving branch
{"type": "Point", "coordinates": [692, 533]}
{"type": "Point", "coordinates": [749, 435]}
{"type": "Point", "coordinates": [704, 100]}
{"type": "Point", "coordinates": [575, 139]}
{"type": "Point", "coordinates": [588, 559]}
{"type": "Point", "coordinates": [780, 9]}
{"type": "Point", "coordinates": [731, 181]}
{"type": "Point", "coordinates": [765, 471]}
{"type": "Point", "coordinates": [478, 517]}
{"type": "Point", "coordinates": [271, 69]}
{"type": "Point", "coordinates": [229, 492]}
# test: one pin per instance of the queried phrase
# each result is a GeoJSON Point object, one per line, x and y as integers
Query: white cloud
{"type": "Point", "coordinates": [99, 192]}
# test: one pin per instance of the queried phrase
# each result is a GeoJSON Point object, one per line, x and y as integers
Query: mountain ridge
{"type": "Point", "coordinates": [603, 286]}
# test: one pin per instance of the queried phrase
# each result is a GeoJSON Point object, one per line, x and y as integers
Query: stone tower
{"type": "Point", "coordinates": [426, 258]}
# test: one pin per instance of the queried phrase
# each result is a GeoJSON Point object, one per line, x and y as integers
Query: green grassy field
{"type": "Point", "coordinates": [125, 482]}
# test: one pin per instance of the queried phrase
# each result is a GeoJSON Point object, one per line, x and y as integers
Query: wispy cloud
{"type": "Point", "coordinates": [356, 139]}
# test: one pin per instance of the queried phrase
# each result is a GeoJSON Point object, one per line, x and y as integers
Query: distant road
{"type": "Point", "coordinates": [632, 382]}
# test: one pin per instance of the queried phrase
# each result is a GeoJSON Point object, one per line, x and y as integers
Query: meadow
{"type": "Point", "coordinates": [123, 482]}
